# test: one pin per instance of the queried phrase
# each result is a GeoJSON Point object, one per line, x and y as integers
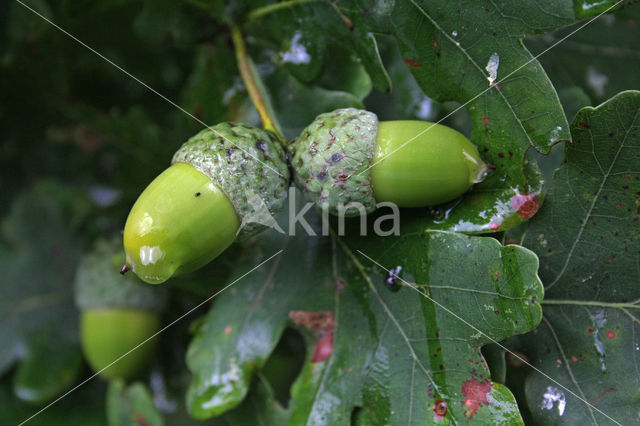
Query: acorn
{"type": "Point", "coordinates": [347, 158]}
{"type": "Point", "coordinates": [117, 313]}
{"type": "Point", "coordinates": [228, 181]}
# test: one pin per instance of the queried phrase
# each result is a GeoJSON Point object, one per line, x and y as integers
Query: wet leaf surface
{"type": "Point", "coordinates": [587, 236]}
{"type": "Point", "coordinates": [394, 354]}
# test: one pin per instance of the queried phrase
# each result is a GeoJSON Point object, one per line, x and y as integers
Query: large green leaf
{"type": "Point", "coordinates": [38, 320]}
{"type": "Point", "coordinates": [588, 239]}
{"type": "Point", "coordinates": [394, 354]}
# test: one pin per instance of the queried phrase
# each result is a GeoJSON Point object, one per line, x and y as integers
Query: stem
{"type": "Point", "coordinates": [259, 12]}
{"type": "Point", "coordinates": [254, 85]}
{"type": "Point", "coordinates": [614, 305]}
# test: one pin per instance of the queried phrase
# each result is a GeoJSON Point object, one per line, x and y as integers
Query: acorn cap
{"type": "Point", "coordinates": [99, 285]}
{"type": "Point", "coordinates": [332, 157]}
{"type": "Point", "coordinates": [245, 162]}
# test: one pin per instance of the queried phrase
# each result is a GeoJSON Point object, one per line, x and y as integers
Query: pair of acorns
{"type": "Point", "coordinates": [227, 178]}
{"type": "Point", "coordinates": [220, 183]}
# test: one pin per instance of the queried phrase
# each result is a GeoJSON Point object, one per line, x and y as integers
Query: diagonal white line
{"type": "Point", "coordinates": [151, 337]}
{"type": "Point", "coordinates": [490, 87]}
{"type": "Point", "coordinates": [77, 40]}
{"type": "Point", "coordinates": [440, 305]}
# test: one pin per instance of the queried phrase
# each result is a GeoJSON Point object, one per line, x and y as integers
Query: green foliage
{"type": "Point", "coordinates": [314, 336]}
{"type": "Point", "coordinates": [586, 236]}
{"type": "Point", "coordinates": [133, 404]}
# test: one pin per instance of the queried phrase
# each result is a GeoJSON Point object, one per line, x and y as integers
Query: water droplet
{"type": "Point", "coordinates": [492, 68]}
{"type": "Point", "coordinates": [552, 396]}
{"type": "Point", "coordinates": [297, 53]}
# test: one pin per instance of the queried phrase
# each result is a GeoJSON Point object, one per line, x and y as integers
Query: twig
{"type": "Point", "coordinates": [254, 85]}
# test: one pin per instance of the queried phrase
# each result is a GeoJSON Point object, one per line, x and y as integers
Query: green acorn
{"type": "Point", "coordinates": [117, 313]}
{"type": "Point", "coordinates": [228, 180]}
{"type": "Point", "coordinates": [345, 157]}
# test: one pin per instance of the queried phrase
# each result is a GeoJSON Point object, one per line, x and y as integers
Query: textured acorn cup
{"type": "Point", "coordinates": [228, 180]}
{"type": "Point", "coordinates": [117, 314]}
{"type": "Point", "coordinates": [347, 156]}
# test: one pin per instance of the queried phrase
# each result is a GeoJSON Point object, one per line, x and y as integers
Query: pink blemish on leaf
{"type": "Point", "coordinates": [440, 409]}
{"type": "Point", "coordinates": [140, 419]}
{"type": "Point", "coordinates": [323, 348]}
{"type": "Point", "coordinates": [494, 226]}
{"type": "Point", "coordinates": [525, 204]}
{"type": "Point", "coordinates": [611, 335]}
{"type": "Point", "coordinates": [477, 394]}
{"type": "Point", "coordinates": [322, 324]}
{"type": "Point", "coordinates": [228, 329]}
{"type": "Point", "coordinates": [411, 63]}
{"type": "Point", "coordinates": [574, 358]}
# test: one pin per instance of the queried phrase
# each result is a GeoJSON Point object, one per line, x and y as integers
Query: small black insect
{"type": "Point", "coordinates": [392, 278]}
{"type": "Point", "coordinates": [197, 194]}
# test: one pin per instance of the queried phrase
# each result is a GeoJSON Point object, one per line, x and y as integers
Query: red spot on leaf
{"type": "Point", "coordinates": [525, 204]}
{"type": "Point", "coordinates": [582, 124]}
{"type": "Point", "coordinates": [228, 329]}
{"type": "Point", "coordinates": [323, 348]}
{"type": "Point", "coordinates": [477, 394]}
{"type": "Point", "coordinates": [140, 420]}
{"type": "Point", "coordinates": [603, 394]}
{"type": "Point", "coordinates": [494, 226]}
{"type": "Point", "coordinates": [611, 335]}
{"type": "Point", "coordinates": [411, 63]}
{"type": "Point", "coordinates": [627, 176]}
{"type": "Point", "coordinates": [322, 324]}
{"type": "Point", "coordinates": [440, 409]}
{"type": "Point", "coordinates": [486, 121]}
{"type": "Point", "coordinates": [574, 358]}
{"type": "Point", "coordinates": [590, 330]}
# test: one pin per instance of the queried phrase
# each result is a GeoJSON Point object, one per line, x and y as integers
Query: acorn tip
{"type": "Point", "coordinates": [126, 267]}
